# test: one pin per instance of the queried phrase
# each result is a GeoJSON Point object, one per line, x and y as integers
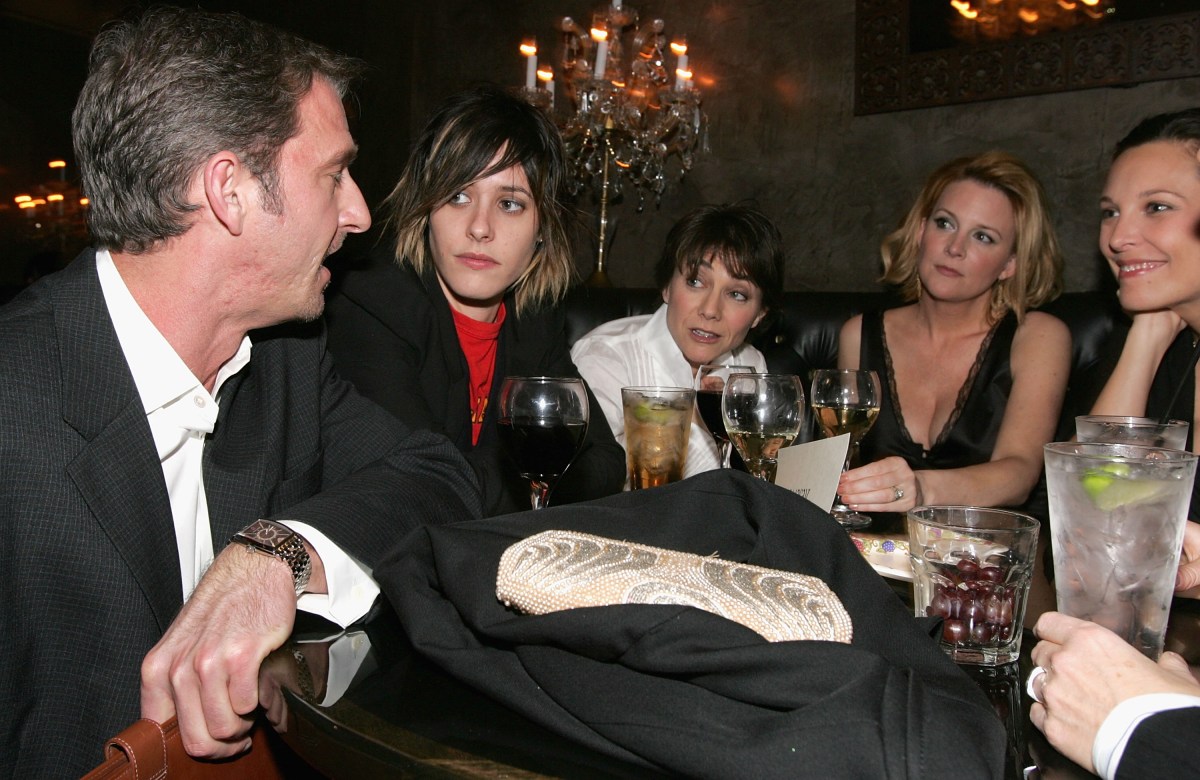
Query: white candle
{"type": "Point", "coordinates": [546, 76]}
{"type": "Point", "coordinates": [682, 74]}
{"type": "Point", "coordinates": [530, 71]}
{"type": "Point", "coordinates": [616, 4]}
{"type": "Point", "coordinates": [529, 49]}
{"type": "Point", "coordinates": [601, 59]}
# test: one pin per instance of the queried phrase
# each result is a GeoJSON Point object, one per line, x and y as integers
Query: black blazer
{"type": "Point", "coordinates": [1163, 745]}
{"type": "Point", "coordinates": [392, 334]}
{"type": "Point", "coordinates": [89, 568]}
{"type": "Point", "coordinates": [679, 690]}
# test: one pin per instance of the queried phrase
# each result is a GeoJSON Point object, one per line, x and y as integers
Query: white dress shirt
{"type": "Point", "coordinates": [181, 414]}
{"type": "Point", "coordinates": [637, 351]}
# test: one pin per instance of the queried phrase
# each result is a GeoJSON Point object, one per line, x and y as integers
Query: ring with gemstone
{"type": "Point", "coordinates": [897, 493]}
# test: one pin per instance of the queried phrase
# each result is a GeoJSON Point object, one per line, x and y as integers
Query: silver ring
{"type": "Point", "coordinates": [897, 493]}
{"type": "Point", "coordinates": [1029, 684]}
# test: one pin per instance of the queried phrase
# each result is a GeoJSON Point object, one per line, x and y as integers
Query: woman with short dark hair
{"type": "Point", "coordinates": [720, 272]}
{"type": "Point", "coordinates": [481, 260]}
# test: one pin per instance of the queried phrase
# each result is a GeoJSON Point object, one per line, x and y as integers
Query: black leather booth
{"type": "Point", "coordinates": [803, 334]}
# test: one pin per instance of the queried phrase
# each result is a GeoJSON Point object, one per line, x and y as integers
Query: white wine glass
{"type": "Point", "coordinates": [710, 385]}
{"type": "Point", "coordinates": [542, 424]}
{"type": "Point", "coordinates": [846, 400]}
{"type": "Point", "coordinates": [763, 414]}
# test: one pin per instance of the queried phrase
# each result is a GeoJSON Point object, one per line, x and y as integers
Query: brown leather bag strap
{"type": "Point", "coordinates": [139, 752]}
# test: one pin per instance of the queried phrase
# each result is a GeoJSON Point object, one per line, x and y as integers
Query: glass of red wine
{"type": "Point", "coordinates": [542, 424]}
{"type": "Point", "coordinates": [710, 384]}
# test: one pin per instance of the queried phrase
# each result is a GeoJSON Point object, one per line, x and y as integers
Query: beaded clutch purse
{"type": "Point", "coordinates": [557, 570]}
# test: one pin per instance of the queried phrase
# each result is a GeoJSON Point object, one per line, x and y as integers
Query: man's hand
{"type": "Point", "coordinates": [205, 668]}
{"type": "Point", "coordinates": [1187, 579]}
{"type": "Point", "coordinates": [1090, 670]}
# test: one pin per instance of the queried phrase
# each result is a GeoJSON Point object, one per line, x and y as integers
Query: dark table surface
{"type": "Point", "coordinates": [404, 717]}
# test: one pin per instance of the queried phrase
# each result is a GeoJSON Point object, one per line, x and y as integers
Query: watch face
{"type": "Point", "coordinates": [268, 534]}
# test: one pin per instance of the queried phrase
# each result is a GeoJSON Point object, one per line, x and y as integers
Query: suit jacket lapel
{"type": "Point", "coordinates": [458, 409]}
{"type": "Point", "coordinates": [235, 456]}
{"type": "Point", "coordinates": [117, 471]}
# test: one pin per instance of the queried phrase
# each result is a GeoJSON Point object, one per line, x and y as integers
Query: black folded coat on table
{"type": "Point", "coordinates": [685, 691]}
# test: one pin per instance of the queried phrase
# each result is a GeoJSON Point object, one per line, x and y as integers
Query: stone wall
{"type": "Point", "coordinates": [778, 80]}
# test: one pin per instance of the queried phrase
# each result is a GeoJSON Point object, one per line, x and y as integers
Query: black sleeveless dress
{"type": "Point", "coordinates": [970, 433]}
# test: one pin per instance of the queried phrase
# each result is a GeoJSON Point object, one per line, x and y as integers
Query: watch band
{"type": "Point", "coordinates": [279, 541]}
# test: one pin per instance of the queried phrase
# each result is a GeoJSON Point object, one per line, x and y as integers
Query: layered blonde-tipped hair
{"type": "Point", "coordinates": [457, 147]}
{"type": "Point", "coordinates": [1037, 279]}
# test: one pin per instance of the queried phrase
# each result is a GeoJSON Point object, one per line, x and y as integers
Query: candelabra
{"type": "Point", "coordinates": [625, 122]}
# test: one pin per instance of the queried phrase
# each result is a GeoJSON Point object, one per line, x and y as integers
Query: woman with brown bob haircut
{"type": "Point", "coordinates": [973, 380]}
{"type": "Point", "coordinates": [467, 293]}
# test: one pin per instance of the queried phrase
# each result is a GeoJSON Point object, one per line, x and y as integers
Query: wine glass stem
{"type": "Point", "coordinates": [838, 504]}
{"type": "Point", "coordinates": [724, 450]}
{"type": "Point", "coordinates": [763, 469]}
{"type": "Point", "coordinates": [539, 494]}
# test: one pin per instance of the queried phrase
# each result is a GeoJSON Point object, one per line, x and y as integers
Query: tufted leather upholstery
{"type": "Point", "coordinates": [803, 334]}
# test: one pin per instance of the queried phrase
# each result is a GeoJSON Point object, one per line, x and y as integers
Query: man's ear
{"type": "Point", "coordinates": [224, 179]}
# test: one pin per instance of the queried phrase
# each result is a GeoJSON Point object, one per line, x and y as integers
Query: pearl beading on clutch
{"type": "Point", "coordinates": [557, 570]}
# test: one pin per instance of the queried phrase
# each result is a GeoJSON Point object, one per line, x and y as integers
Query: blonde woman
{"type": "Point", "coordinates": [973, 379]}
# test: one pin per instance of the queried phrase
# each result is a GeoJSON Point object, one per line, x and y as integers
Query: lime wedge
{"type": "Point", "coordinates": [652, 413]}
{"type": "Point", "coordinates": [1096, 481]}
{"type": "Point", "coordinates": [1109, 493]}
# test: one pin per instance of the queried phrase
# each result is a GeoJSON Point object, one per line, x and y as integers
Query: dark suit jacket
{"type": "Point", "coordinates": [392, 335]}
{"type": "Point", "coordinates": [1163, 745]}
{"type": "Point", "coordinates": [89, 571]}
{"type": "Point", "coordinates": [683, 691]}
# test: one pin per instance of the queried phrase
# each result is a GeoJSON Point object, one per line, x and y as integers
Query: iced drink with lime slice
{"type": "Point", "coordinates": [1117, 514]}
{"type": "Point", "coordinates": [658, 421]}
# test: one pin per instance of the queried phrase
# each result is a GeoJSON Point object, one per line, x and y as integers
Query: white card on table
{"type": "Point", "coordinates": [812, 469]}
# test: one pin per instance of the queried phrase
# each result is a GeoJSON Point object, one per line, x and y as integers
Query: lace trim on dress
{"type": "Point", "coordinates": [964, 392]}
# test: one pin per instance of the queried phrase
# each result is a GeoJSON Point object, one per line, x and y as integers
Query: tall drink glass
{"type": "Point", "coordinates": [658, 421]}
{"type": "Point", "coordinates": [1147, 431]}
{"type": "Point", "coordinates": [1117, 515]}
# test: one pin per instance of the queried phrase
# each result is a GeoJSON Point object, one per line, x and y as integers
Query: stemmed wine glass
{"type": "Point", "coordinates": [763, 413]}
{"type": "Point", "coordinates": [542, 424]}
{"type": "Point", "coordinates": [710, 383]}
{"type": "Point", "coordinates": [846, 401]}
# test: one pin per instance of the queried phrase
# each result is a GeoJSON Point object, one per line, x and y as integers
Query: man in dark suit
{"type": "Point", "coordinates": [156, 402]}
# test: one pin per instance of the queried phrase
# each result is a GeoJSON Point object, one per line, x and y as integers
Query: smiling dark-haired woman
{"type": "Point", "coordinates": [1102, 703]}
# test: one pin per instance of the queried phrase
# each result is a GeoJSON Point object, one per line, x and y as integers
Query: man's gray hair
{"type": "Point", "coordinates": [168, 91]}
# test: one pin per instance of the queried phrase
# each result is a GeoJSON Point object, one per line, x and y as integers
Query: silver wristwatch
{"type": "Point", "coordinates": [271, 538]}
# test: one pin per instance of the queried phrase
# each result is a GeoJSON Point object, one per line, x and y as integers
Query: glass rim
{"type": "Point", "coordinates": [1071, 448]}
{"type": "Point", "coordinates": [518, 378]}
{"type": "Point", "coordinates": [768, 374]}
{"type": "Point", "coordinates": [1119, 419]}
{"type": "Point", "coordinates": [658, 389]}
{"type": "Point", "coordinates": [816, 371]}
{"type": "Point", "coordinates": [1024, 521]}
